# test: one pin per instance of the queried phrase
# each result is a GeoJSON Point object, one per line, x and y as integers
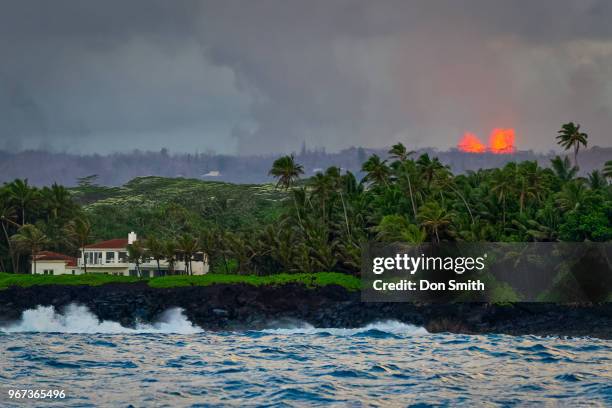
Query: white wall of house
{"type": "Point", "coordinates": [114, 261]}
{"type": "Point", "coordinates": [104, 257]}
{"type": "Point", "coordinates": [55, 268]}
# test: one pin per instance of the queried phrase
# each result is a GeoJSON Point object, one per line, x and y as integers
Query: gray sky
{"type": "Point", "coordinates": [262, 76]}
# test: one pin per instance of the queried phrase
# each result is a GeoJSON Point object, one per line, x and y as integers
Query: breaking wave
{"type": "Point", "coordinates": [79, 319]}
{"type": "Point", "coordinates": [387, 326]}
{"type": "Point", "coordinates": [76, 318]}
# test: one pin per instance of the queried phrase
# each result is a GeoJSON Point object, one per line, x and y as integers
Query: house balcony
{"type": "Point", "coordinates": [102, 264]}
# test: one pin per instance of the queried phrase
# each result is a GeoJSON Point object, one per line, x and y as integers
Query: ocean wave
{"type": "Point", "coordinates": [388, 326]}
{"type": "Point", "coordinates": [79, 319]}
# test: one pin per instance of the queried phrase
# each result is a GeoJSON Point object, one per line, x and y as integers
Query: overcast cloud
{"type": "Point", "coordinates": [263, 76]}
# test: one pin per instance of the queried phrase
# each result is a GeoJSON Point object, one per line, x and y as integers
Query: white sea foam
{"type": "Point", "coordinates": [79, 319]}
{"type": "Point", "coordinates": [387, 326]}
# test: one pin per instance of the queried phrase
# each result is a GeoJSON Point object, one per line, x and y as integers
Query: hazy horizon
{"type": "Point", "coordinates": [242, 78]}
{"type": "Point", "coordinates": [310, 150]}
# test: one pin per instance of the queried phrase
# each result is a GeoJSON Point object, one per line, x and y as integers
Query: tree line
{"type": "Point", "coordinates": [328, 217]}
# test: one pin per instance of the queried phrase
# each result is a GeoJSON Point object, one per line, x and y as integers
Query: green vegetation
{"type": "Point", "coordinates": [317, 224]}
{"type": "Point", "coordinates": [170, 206]}
{"type": "Point", "coordinates": [23, 280]}
{"type": "Point", "coordinates": [310, 280]}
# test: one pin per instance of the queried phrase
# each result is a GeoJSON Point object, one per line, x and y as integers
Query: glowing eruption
{"type": "Point", "coordinates": [471, 144]}
{"type": "Point", "coordinates": [501, 141]}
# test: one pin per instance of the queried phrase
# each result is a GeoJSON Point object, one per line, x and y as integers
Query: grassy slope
{"type": "Point", "coordinates": [311, 280]}
{"type": "Point", "coordinates": [150, 203]}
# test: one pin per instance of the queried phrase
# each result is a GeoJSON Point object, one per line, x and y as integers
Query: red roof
{"type": "Point", "coordinates": [54, 256]}
{"type": "Point", "coordinates": [118, 243]}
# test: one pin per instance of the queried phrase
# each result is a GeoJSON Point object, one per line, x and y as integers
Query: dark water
{"type": "Point", "coordinates": [173, 364]}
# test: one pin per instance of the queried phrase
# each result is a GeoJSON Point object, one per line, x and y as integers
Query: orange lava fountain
{"type": "Point", "coordinates": [501, 141]}
{"type": "Point", "coordinates": [471, 144]}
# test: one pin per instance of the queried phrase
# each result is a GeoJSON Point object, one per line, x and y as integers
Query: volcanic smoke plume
{"type": "Point", "coordinates": [501, 141]}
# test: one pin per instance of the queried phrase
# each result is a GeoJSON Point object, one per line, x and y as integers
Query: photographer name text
{"type": "Point", "coordinates": [425, 285]}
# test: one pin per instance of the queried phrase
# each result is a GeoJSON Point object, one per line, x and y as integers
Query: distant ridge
{"type": "Point", "coordinates": [44, 168]}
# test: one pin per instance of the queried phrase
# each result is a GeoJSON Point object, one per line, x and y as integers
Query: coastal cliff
{"type": "Point", "coordinates": [243, 306]}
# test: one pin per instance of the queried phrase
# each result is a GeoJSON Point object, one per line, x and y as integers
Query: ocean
{"type": "Point", "coordinates": [173, 363]}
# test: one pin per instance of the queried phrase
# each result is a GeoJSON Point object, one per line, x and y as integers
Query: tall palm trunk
{"type": "Point", "coordinates": [504, 211]}
{"type": "Point", "coordinates": [576, 154]}
{"type": "Point", "coordinates": [297, 211]}
{"type": "Point", "coordinates": [14, 258]}
{"type": "Point", "coordinates": [464, 202]}
{"type": "Point", "coordinates": [414, 210]}
{"type": "Point", "coordinates": [84, 259]}
{"type": "Point", "coordinates": [348, 228]}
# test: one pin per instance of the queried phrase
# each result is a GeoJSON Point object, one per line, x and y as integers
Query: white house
{"type": "Point", "coordinates": [52, 263]}
{"type": "Point", "coordinates": [111, 257]}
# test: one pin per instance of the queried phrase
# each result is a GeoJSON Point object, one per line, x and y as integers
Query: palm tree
{"type": "Point", "coordinates": [242, 251]}
{"type": "Point", "coordinates": [607, 171]}
{"type": "Point", "coordinates": [563, 168]}
{"type": "Point", "coordinates": [169, 251]}
{"type": "Point", "coordinates": [443, 179]}
{"type": "Point", "coordinates": [434, 218]}
{"type": "Point", "coordinates": [23, 195]}
{"type": "Point", "coordinates": [596, 180]}
{"type": "Point", "coordinates": [502, 187]}
{"type": "Point", "coordinates": [531, 182]}
{"type": "Point", "coordinates": [570, 136]}
{"type": "Point", "coordinates": [571, 196]}
{"type": "Point", "coordinates": [136, 252]}
{"type": "Point", "coordinates": [286, 170]}
{"type": "Point", "coordinates": [322, 189]}
{"type": "Point", "coordinates": [397, 228]}
{"type": "Point", "coordinates": [8, 216]}
{"type": "Point", "coordinates": [30, 239]}
{"type": "Point", "coordinates": [79, 232]}
{"type": "Point", "coordinates": [428, 167]}
{"type": "Point", "coordinates": [155, 249]}
{"type": "Point", "coordinates": [188, 245]}
{"type": "Point", "coordinates": [376, 171]}
{"type": "Point", "coordinates": [56, 198]}
{"type": "Point", "coordinates": [281, 245]}
{"type": "Point", "coordinates": [404, 170]}
{"type": "Point", "coordinates": [398, 151]}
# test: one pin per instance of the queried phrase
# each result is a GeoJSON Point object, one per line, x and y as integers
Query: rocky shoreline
{"type": "Point", "coordinates": [240, 307]}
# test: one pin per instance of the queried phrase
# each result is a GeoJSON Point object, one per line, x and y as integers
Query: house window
{"type": "Point", "coordinates": [110, 257]}
{"type": "Point", "coordinates": [73, 272]}
{"type": "Point", "coordinates": [48, 272]}
{"type": "Point", "coordinates": [93, 258]}
{"type": "Point", "coordinates": [123, 257]}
